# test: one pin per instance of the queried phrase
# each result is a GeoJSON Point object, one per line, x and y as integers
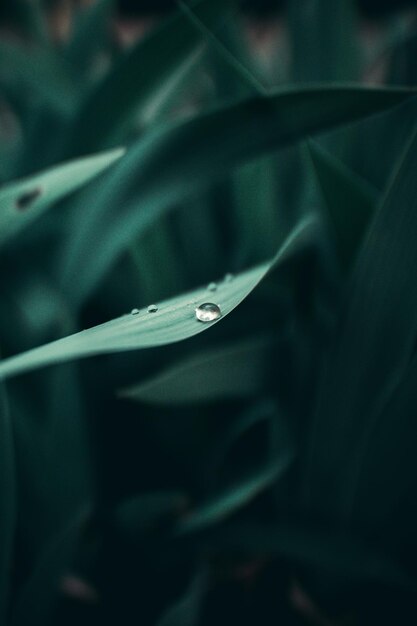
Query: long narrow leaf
{"type": "Point", "coordinates": [174, 320]}
{"type": "Point", "coordinates": [23, 201]}
{"type": "Point", "coordinates": [222, 506]}
{"type": "Point", "coordinates": [172, 163]}
{"type": "Point", "coordinates": [235, 371]}
{"type": "Point", "coordinates": [349, 200]}
{"type": "Point", "coordinates": [137, 81]}
{"type": "Point", "coordinates": [373, 347]}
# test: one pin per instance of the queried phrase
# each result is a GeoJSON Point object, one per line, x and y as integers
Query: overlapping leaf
{"type": "Point", "coordinates": [372, 349]}
{"type": "Point", "coordinates": [148, 70]}
{"type": "Point", "coordinates": [174, 320]}
{"type": "Point", "coordinates": [176, 161]}
{"type": "Point", "coordinates": [23, 201]}
{"type": "Point", "coordinates": [234, 371]}
{"type": "Point", "coordinates": [349, 200]}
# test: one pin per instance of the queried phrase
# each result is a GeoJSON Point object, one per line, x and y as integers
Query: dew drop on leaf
{"type": "Point", "coordinates": [152, 308]}
{"type": "Point", "coordinates": [208, 312]}
{"type": "Point", "coordinates": [228, 277]}
{"type": "Point", "coordinates": [134, 312]}
{"type": "Point", "coordinates": [212, 287]}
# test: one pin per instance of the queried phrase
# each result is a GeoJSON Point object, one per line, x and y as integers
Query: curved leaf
{"type": "Point", "coordinates": [176, 161]}
{"type": "Point", "coordinates": [186, 612]}
{"type": "Point", "coordinates": [89, 34]}
{"type": "Point", "coordinates": [38, 74]}
{"type": "Point", "coordinates": [372, 349]}
{"type": "Point", "coordinates": [23, 201]}
{"type": "Point", "coordinates": [174, 320]}
{"type": "Point", "coordinates": [137, 81]}
{"type": "Point", "coordinates": [350, 201]}
{"type": "Point", "coordinates": [223, 505]}
{"type": "Point", "coordinates": [235, 371]}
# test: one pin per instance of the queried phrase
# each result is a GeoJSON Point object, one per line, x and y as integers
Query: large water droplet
{"type": "Point", "coordinates": [152, 308]}
{"type": "Point", "coordinates": [134, 312]}
{"type": "Point", "coordinates": [208, 312]}
{"type": "Point", "coordinates": [212, 287]}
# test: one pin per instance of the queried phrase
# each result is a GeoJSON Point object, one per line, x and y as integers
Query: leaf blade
{"type": "Point", "coordinates": [174, 321]}
{"type": "Point", "coordinates": [233, 371]}
{"type": "Point", "coordinates": [177, 161]}
{"type": "Point", "coordinates": [23, 201]}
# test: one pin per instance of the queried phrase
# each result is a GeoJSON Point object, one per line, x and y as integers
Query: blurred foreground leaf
{"type": "Point", "coordinates": [142, 76]}
{"type": "Point", "coordinates": [174, 162]}
{"type": "Point", "coordinates": [23, 201]}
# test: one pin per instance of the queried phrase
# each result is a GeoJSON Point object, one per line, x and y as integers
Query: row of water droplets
{"type": "Point", "coordinates": [205, 312]}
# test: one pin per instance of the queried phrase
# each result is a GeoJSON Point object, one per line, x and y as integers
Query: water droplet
{"type": "Point", "coordinates": [134, 312]}
{"type": "Point", "coordinates": [27, 198]}
{"type": "Point", "coordinates": [152, 308]}
{"type": "Point", "coordinates": [228, 277]}
{"type": "Point", "coordinates": [208, 312]}
{"type": "Point", "coordinates": [212, 287]}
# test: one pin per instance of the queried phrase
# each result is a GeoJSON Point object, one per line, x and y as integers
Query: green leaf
{"type": "Point", "coordinates": [384, 471]}
{"type": "Point", "coordinates": [186, 611]}
{"type": "Point", "coordinates": [350, 201]}
{"type": "Point", "coordinates": [265, 411]}
{"type": "Point", "coordinates": [37, 75]}
{"type": "Point", "coordinates": [323, 36]}
{"type": "Point", "coordinates": [372, 349]}
{"type": "Point", "coordinates": [176, 161]}
{"type": "Point", "coordinates": [233, 371]}
{"type": "Point", "coordinates": [225, 504]}
{"type": "Point", "coordinates": [89, 35]}
{"type": "Point", "coordinates": [230, 61]}
{"type": "Point", "coordinates": [7, 502]}
{"type": "Point", "coordinates": [174, 321]}
{"type": "Point", "coordinates": [145, 74]}
{"type": "Point", "coordinates": [257, 185]}
{"type": "Point", "coordinates": [23, 201]}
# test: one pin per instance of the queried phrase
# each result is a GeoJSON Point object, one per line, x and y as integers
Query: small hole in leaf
{"type": "Point", "coordinates": [28, 198]}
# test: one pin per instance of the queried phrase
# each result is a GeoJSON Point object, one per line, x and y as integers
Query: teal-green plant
{"type": "Point", "coordinates": [159, 467]}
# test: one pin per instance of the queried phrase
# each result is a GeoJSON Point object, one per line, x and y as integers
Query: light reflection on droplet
{"type": "Point", "coordinates": [208, 312]}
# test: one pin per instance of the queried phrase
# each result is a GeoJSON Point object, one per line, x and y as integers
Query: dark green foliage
{"type": "Point", "coordinates": [263, 471]}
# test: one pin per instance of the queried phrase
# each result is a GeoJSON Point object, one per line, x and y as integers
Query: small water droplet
{"type": "Point", "coordinates": [152, 308]}
{"type": "Point", "coordinates": [208, 312]}
{"type": "Point", "coordinates": [228, 277]}
{"type": "Point", "coordinates": [27, 198]}
{"type": "Point", "coordinates": [134, 312]}
{"type": "Point", "coordinates": [212, 287]}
